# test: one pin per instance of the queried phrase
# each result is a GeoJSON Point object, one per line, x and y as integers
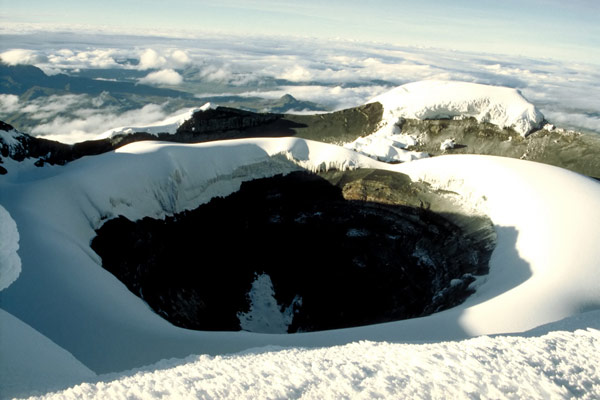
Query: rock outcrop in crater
{"type": "Point", "coordinates": [340, 249]}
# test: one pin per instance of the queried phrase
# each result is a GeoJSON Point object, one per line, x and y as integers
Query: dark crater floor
{"type": "Point", "coordinates": [341, 248]}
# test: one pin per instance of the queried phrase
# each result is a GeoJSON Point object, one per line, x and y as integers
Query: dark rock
{"type": "Point", "coordinates": [571, 150]}
{"type": "Point", "coordinates": [5, 127]}
{"type": "Point", "coordinates": [574, 151]}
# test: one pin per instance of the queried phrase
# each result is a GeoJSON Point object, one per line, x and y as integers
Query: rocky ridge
{"type": "Point", "coordinates": [567, 149]}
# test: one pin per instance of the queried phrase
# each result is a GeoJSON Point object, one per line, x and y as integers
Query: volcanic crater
{"type": "Point", "coordinates": [303, 252]}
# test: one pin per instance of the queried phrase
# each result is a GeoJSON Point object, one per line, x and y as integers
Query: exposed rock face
{"type": "Point", "coordinates": [24, 146]}
{"type": "Point", "coordinates": [344, 249]}
{"type": "Point", "coordinates": [571, 150]}
{"type": "Point", "coordinates": [228, 123]}
{"type": "Point", "coordinates": [214, 124]}
{"type": "Point", "coordinates": [575, 151]}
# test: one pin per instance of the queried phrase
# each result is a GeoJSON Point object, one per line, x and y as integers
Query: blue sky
{"type": "Point", "coordinates": [555, 29]}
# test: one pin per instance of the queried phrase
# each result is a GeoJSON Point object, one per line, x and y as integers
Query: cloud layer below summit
{"type": "Point", "coordinates": [335, 73]}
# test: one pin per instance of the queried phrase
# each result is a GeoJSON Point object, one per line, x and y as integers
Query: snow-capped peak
{"type": "Point", "coordinates": [432, 99]}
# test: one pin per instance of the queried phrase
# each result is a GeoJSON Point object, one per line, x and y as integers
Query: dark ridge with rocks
{"type": "Point", "coordinates": [214, 124]}
{"type": "Point", "coordinates": [342, 248]}
{"type": "Point", "coordinates": [576, 151]}
{"type": "Point", "coordinates": [48, 151]}
{"type": "Point", "coordinates": [572, 150]}
{"type": "Point", "coordinates": [228, 123]}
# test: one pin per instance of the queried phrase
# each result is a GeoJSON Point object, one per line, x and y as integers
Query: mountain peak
{"type": "Point", "coordinates": [288, 98]}
{"type": "Point", "coordinates": [436, 99]}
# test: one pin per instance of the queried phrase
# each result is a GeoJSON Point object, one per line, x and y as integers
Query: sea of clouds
{"type": "Point", "coordinates": [335, 73]}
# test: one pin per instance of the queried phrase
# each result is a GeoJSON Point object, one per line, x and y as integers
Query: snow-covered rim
{"type": "Point", "coordinates": [533, 278]}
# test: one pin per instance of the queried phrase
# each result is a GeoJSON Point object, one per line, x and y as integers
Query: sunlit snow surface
{"type": "Point", "coordinates": [544, 269]}
{"type": "Point", "coordinates": [560, 364]}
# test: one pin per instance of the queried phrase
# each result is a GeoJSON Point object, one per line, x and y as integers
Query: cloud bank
{"type": "Point", "coordinates": [337, 74]}
{"type": "Point", "coordinates": [21, 56]}
{"type": "Point", "coordinates": [163, 77]}
{"type": "Point", "coordinates": [76, 118]}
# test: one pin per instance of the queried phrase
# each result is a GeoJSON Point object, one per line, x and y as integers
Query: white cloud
{"type": "Point", "coordinates": [215, 73]}
{"type": "Point", "coordinates": [73, 59]}
{"type": "Point", "coordinates": [48, 107]}
{"type": "Point", "coordinates": [297, 73]}
{"type": "Point", "coordinates": [165, 76]}
{"type": "Point", "coordinates": [150, 59]}
{"type": "Point", "coordinates": [21, 56]}
{"type": "Point", "coordinates": [335, 73]}
{"type": "Point", "coordinates": [573, 120]}
{"type": "Point", "coordinates": [180, 58]}
{"type": "Point", "coordinates": [336, 97]}
{"type": "Point", "coordinates": [75, 118]}
{"type": "Point", "coordinates": [93, 122]}
{"type": "Point", "coordinates": [9, 103]}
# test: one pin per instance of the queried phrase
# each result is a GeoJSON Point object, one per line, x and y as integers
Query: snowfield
{"type": "Point", "coordinates": [65, 320]}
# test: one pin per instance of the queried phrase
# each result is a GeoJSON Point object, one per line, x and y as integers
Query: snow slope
{"type": "Point", "coordinates": [31, 361]}
{"type": "Point", "coordinates": [560, 364]}
{"type": "Point", "coordinates": [169, 125]}
{"type": "Point", "coordinates": [63, 293]}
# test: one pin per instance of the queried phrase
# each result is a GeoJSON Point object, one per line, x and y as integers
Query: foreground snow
{"type": "Point", "coordinates": [544, 269]}
{"type": "Point", "coordinates": [31, 361]}
{"type": "Point", "coordinates": [560, 364]}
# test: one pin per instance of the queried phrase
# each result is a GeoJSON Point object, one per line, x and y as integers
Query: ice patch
{"type": "Point", "coordinates": [357, 233]}
{"type": "Point", "coordinates": [265, 315]}
{"type": "Point", "coordinates": [447, 144]}
{"type": "Point", "coordinates": [10, 262]}
{"type": "Point", "coordinates": [387, 145]}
